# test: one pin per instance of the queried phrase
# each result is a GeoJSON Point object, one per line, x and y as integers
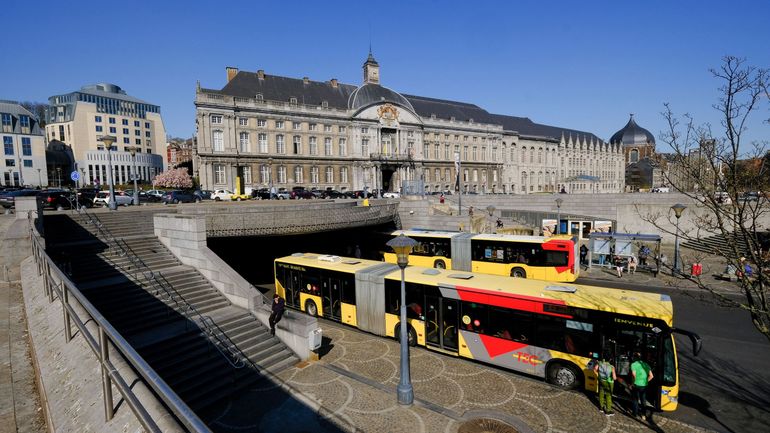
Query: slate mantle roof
{"type": "Point", "coordinates": [15, 110]}
{"type": "Point", "coordinates": [276, 88]}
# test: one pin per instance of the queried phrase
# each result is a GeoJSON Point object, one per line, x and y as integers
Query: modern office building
{"type": "Point", "coordinates": [287, 132]}
{"type": "Point", "coordinates": [23, 147]}
{"type": "Point", "coordinates": [82, 117]}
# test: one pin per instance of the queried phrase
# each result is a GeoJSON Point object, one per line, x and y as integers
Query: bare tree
{"type": "Point", "coordinates": [728, 179]}
{"type": "Point", "coordinates": [38, 109]}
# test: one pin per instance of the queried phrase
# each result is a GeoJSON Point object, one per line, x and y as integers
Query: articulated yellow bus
{"type": "Point", "coordinates": [542, 258]}
{"type": "Point", "coordinates": [551, 330]}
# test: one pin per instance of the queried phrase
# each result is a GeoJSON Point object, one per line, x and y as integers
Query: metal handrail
{"type": "Point", "coordinates": [108, 334]}
{"type": "Point", "coordinates": [217, 337]}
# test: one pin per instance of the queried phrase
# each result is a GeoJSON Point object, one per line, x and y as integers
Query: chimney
{"type": "Point", "coordinates": [261, 74]}
{"type": "Point", "coordinates": [334, 82]}
{"type": "Point", "coordinates": [231, 73]}
{"type": "Point", "coordinates": [306, 80]}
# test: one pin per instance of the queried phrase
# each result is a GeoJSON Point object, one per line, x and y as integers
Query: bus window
{"type": "Point", "coordinates": [511, 325]}
{"type": "Point", "coordinates": [392, 296]}
{"type": "Point", "coordinates": [415, 298]}
{"type": "Point", "coordinates": [579, 338]}
{"type": "Point", "coordinates": [348, 289]}
{"type": "Point", "coordinates": [669, 362]}
{"type": "Point", "coordinates": [556, 258]}
{"type": "Point", "coordinates": [311, 284]}
{"type": "Point", "coordinates": [473, 317]}
{"type": "Point", "coordinates": [550, 332]}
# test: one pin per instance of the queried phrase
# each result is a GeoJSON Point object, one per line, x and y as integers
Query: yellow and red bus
{"type": "Point", "coordinates": [542, 258]}
{"type": "Point", "coordinates": [551, 330]}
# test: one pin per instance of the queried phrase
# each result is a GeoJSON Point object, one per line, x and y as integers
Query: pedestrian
{"type": "Point", "coordinates": [644, 252]}
{"type": "Point", "coordinates": [605, 371]}
{"type": "Point", "coordinates": [583, 254]}
{"type": "Point", "coordinates": [279, 305]}
{"type": "Point", "coordinates": [642, 375]}
{"type": "Point", "coordinates": [357, 252]}
{"type": "Point", "coordinates": [441, 198]}
{"type": "Point", "coordinates": [618, 261]}
{"type": "Point", "coordinates": [631, 265]}
{"type": "Point", "coordinates": [470, 211]}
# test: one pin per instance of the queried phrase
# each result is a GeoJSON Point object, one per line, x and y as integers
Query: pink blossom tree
{"type": "Point", "coordinates": [175, 178]}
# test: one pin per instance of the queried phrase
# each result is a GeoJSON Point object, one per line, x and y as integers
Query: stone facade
{"type": "Point", "coordinates": [284, 132]}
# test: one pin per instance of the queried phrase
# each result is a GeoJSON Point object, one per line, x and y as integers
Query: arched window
{"type": "Point", "coordinates": [634, 156]}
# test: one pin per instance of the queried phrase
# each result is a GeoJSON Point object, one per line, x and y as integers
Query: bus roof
{"type": "Point", "coordinates": [642, 304]}
{"type": "Point", "coordinates": [482, 237]}
{"type": "Point", "coordinates": [429, 233]}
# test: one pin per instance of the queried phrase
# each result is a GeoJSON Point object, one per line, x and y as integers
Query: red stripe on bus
{"type": "Point", "coordinates": [561, 245]}
{"type": "Point", "coordinates": [499, 346]}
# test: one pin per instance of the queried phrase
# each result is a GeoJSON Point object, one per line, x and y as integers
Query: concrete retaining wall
{"type": "Point", "coordinates": [185, 236]}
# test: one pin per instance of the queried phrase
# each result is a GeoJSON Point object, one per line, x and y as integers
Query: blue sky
{"type": "Point", "coordinates": [581, 65]}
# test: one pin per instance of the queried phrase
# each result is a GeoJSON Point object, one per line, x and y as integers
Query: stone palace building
{"type": "Point", "coordinates": [286, 132]}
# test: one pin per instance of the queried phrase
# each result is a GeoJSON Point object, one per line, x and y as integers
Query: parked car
{"type": "Point", "coordinates": [144, 197]}
{"type": "Point", "coordinates": [317, 193]}
{"type": "Point", "coordinates": [156, 192]}
{"type": "Point", "coordinates": [301, 194]}
{"type": "Point", "coordinates": [180, 196]}
{"type": "Point", "coordinates": [222, 194]}
{"type": "Point", "coordinates": [103, 199]}
{"type": "Point", "coordinates": [8, 198]}
{"type": "Point", "coordinates": [332, 193]}
{"type": "Point", "coordinates": [260, 194]}
{"type": "Point", "coordinates": [56, 199]}
{"type": "Point", "coordinates": [86, 196]}
{"type": "Point", "coordinates": [282, 194]}
{"type": "Point", "coordinates": [391, 194]}
{"type": "Point", "coordinates": [749, 196]}
{"type": "Point", "coordinates": [203, 194]}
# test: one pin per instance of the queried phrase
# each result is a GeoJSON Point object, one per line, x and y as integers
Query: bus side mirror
{"type": "Point", "coordinates": [697, 342]}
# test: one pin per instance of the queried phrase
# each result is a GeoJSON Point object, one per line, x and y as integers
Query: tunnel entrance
{"type": "Point", "coordinates": [252, 256]}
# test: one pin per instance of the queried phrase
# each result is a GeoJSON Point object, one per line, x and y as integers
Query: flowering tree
{"type": "Point", "coordinates": [176, 178]}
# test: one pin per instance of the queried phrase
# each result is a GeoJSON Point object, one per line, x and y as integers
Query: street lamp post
{"type": "Point", "coordinates": [270, 176]}
{"type": "Point", "coordinates": [559, 201]}
{"type": "Point", "coordinates": [58, 176]}
{"type": "Point", "coordinates": [39, 178]}
{"type": "Point", "coordinates": [10, 177]}
{"type": "Point", "coordinates": [83, 177]}
{"type": "Point", "coordinates": [132, 149]}
{"type": "Point", "coordinates": [108, 140]}
{"type": "Point", "coordinates": [402, 246]}
{"type": "Point", "coordinates": [490, 211]}
{"type": "Point", "coordinates": [678, 209]}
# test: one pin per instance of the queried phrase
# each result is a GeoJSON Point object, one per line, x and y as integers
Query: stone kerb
{"type": "Point", "coordinates": [185, 236]}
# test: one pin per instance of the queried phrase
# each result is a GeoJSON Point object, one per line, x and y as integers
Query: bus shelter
{"type": "Point", "coordinates": [645, 248]}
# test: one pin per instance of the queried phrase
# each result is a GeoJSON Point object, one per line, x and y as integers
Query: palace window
{"type": "Point", "coordinates": [327, 128]}
{"type": "Point", "coordinates": [365, 130]}
{"type": "Point", "coordinates": [314, 175]}
{"type": "Point", "coordinates": [281, 174]}
{"type": "Point", "coordinates": [296, 126]}
{"type": "Point", "coordinates": [262, 143]}
{"type": "Point", "coordinates": [312, 127]}
{"type": "Point", "coordinates": [219, 174]}
{"type": "Point", "coordinates": [243, 141]}
{"type": "Point", "coordinates": [474, 153]}
{"type": "Point", "coordinates": [343, 146]}
{"type": "Point", "coordinates": [365, 147]}
{"type": "Point", "coordinates": [280, 147]}
{"type": "Point", "coordinates": [313, 146]}
{"type": "Point", "coordinates": [343, 129]}
{"type": "Point", "coordinates": [264, 174]}
{"type": "Point", "coordinates": [218, 141]}
{"type": "Point", "coordinates": [329, 174]}
{"type": "Point", "coordinates": [247, 175]}
{"type": "Point", "coordinates": [328, 146]}
{"type": "Point", "coordinates": [438, 174]}
{"type": "Point", "coordinates": [215, 120]}
{"type": "Point", "coordinates": [243, 121]}
{"type": "Point", "coordinates": [437, 151]}
{"type": "Point", "coordinates": [261, 123]}
{"type": "Point", "coordinates": [279, 124]}
{"type": "Point", "coordinates": [298, 175]}
{"type": "Point", "coordinates": [297, 144]}
{"type": "Point", "coordinates": [344, 175]}
{"type": "Point", "coordinates": [426, 151]}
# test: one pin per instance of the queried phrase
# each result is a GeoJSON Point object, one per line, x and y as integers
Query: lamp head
{"type": "Point", "coordinates": [132, 150]}
{"type": "Point", "coordinates": [491, 210]}
{"type": "Point", "coordinates": [678, 209]}
{"type": "Point", "coordinates": [107, 140]}
{"type": "Point", "coordinates": [402, 246]}
{"type": "Point", "coordinates": [559, 201]}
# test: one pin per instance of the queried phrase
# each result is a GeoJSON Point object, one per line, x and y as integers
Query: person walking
{"type": "Point", "coordinates": [279, 305]}
{"type": "Point", "coordinates": [631, 265]}
{"type": "Point", "coordinates": [642, 375]}
{"type": "Point", "coordinates": [607, 377]}
{"type": "Point", "coordinates": [618, 262]}
{"type": "Point", "coordinates": [583, 255]}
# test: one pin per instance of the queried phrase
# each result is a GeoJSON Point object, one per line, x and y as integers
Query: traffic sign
{"type": "Point", "coordinates": [75, 176]}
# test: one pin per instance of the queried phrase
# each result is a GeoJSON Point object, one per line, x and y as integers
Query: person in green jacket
{"type": "Point", "coordinates": [605, 371]}
{"type": "Point", "coordinates": [642, 375]}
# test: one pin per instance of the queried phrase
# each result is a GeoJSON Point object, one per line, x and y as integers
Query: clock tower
{"type": "Point", "coordinates": [371, 70]}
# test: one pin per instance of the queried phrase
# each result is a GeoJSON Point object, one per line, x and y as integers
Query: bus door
{"type": "Point", "coordinates": [623, 346]}
{"type": "Point", "coordinates": [293, 287]}
{"type": "Point", "coordinates": [331, 290]}
{"type": "Point", "coordinates": [442, 320]}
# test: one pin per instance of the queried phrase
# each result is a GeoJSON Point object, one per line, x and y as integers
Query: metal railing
{"type": "Point", "coordinates": [56, 282]}
{"type": "Point", "coordinates": [166, 293]}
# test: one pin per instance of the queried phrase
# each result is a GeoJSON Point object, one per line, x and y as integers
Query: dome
{"type": "Point", "coordinates": [632, 135]}
{"type": "Point", "coordinates": [370, 94]}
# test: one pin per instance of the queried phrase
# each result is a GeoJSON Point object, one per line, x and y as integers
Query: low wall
{"type": "Point", "coordinates": [185, 236]}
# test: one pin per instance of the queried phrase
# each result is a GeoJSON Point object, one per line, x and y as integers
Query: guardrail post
{"type": "Point", "coordinates": [47, 282]}
{"type": "Point", "coordinates": [65, 304]}
{"type": "Point", "coordinates": [104, 349]}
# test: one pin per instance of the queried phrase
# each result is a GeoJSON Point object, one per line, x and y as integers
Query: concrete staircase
{"type": "Point", "coordinates": [716, 243]}
{"type": "Point", "coordinates": [205, 348]}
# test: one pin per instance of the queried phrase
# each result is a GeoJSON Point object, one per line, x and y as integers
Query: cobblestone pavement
{"type": "Point", "coordinates": [353, 388]}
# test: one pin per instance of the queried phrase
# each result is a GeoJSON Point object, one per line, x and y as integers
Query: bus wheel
{"type": "Point", "coordinates": [564, 376]}
{"type": "Point", "coordinates": [311, 308]}
{"type": "Point", "coordinates": [439, 264]}
{"type": "Point", "coordinates": [518, 273]}
{"type": "Point", "coordinates": [411, 335]}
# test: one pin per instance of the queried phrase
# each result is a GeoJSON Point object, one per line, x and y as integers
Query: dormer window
{"type": "Point", "coordinates": [325, 104]}
{"type": "Point", "coordinates": [293, 100]}
{"type": "Point", "coordinates": [260, 97]}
